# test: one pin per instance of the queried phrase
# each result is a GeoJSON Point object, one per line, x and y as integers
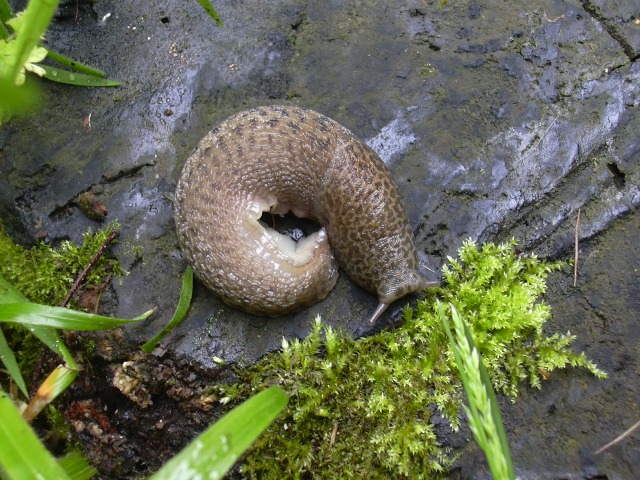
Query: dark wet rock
{"type": "Point", "coordinates": [620, 19]}
{"type": "Point", "coordinates": [498, 120]}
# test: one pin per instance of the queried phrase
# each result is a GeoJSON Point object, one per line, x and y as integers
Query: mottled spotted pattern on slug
{"type": "Point", "coordinates": [283, 159]}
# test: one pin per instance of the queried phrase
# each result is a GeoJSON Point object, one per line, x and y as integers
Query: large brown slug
{"type": "Point", "coordinates": [279, 159]}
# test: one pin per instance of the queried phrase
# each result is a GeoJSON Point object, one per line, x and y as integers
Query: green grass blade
{"type": "Point", "coordinates": [56, 383]}
{"type": "Point", "coordinates": [480, 433]}
{"type": "Point", "coordinates": [47, 335]}
{"type": "Point", "coordinates": [78, 79]}
{"type": "Point", "coordinates": [37, 16]}
{"type": "Point", "coordinates": [59, 379]}
{"type": "Point", "coordinates": [181, 310]}
{"type": "Point", "coordinates": [22, 454]}
{"type": "Point", "coordinates": [77, 66]}
{"type": "Point", "coordinates": [77, 466]}
{"type": "Point", "coordinates": [9, 293]}
{"type": "Point", "coordinates": [457, 355]}
{"type": "Point", "coordinates": [206, 4]}
{"type": "Point", "coordinates": [215, 451]}
{"type": "Point", "coordinates": [16, 100]}
{"type": "Point", "coordinates": [6, 12]}
{"type": "Point", "coordinates": [31, 314]}
{"type": "Point", "coordinates": [10, 363]}
{"type": "Point", "coordinates": [4, 33]}
{"type": "Point", "coordinates": [493, 401]}
{"type": "Point", "coordinates": [50, 337]}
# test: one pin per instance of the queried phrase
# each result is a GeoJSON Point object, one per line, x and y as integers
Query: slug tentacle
{"type": "Point", "coordinates": [281, 159]}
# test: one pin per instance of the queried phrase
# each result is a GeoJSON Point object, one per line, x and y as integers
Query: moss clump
{"type": "Point", "coordinates": [45, 274]}
{"type": "Point", "coordinates": [495, 291]}
{"type": "Point", "coordinates": [362, 408]}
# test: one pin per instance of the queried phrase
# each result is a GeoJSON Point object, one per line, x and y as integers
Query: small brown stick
{"type": "Point", "coordinates": [552, 20]}
{"type": "Point", "coordinates": [332, 440]}
{"type": "Point", "coordinates": [112, 236]}
{"type": "Point", "coordinates": [575, 254]}
{"type": "Point", "coordinates": [545, 132]}
{"type": "Point", "coordinates": [101, 291]}
{"type": "Point", "coordinates": [618, 439]}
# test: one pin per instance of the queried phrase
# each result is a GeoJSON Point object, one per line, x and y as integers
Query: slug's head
{"type": "Point", "coordinates": [396, 286]}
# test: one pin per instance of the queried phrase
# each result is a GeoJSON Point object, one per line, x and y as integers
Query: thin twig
{"type": "Point", "coordinates": [575, 254]}
{"type": "Point", "coordinates": [101, 290]}
{"type": "Point", "coordinates": [545, 133]}
{"type": "Point", "coordinates": [552, 20]}
{"type": "Point", "coordinates": [112, 236]}
{"type": "Point", "coordinates": [618, 439]}
{"type": "Point", "coordinates": [333, 435]}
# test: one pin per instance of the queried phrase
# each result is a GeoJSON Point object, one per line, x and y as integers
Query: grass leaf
{"type": "Point", "coordinates": [181, 310]}
{"type": "Point", "coordinates": [485, 420]}
{"type": "Point", "coordinates": [35, 21]}
{"type": "Point", "coordinates": [215, 451]}
{"type": "Point", "coordinates": [77, 466]}
{"type": "Point", "coordinates": [73, 78]}
{"type": "Point", "coordinates": [31, 314]}
{"type": "Point", "coordinates": [206, 4]}
{"type": "Point", "coordinates": [22, 454]}
{"type": "Point", "coordinates": [77, 66]}
{"type": "Point", "coordinates": [10, 363]}
{"type": "Point", "coordinates": [9, 293]}
{"type": "Point", "coordinates": [6, 12]}
{"type": "Point", "coordinates": [56, 383]}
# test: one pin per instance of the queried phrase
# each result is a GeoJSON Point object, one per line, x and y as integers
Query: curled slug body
{"type": "Point", "coordinates": [279, 159]}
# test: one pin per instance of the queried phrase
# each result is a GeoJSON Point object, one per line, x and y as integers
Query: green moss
{"type": "Point", "coordinates": [426, 70]}
{"type": "Point", "coordinates": [496, 292]}
{"type": "Point", "coordinates": [45, 274]}
{"type": "Point", "coordinates": [362, 408]}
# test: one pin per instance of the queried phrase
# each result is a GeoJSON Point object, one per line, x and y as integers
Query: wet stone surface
{"type": "Point", "coordinates": [497, 121]}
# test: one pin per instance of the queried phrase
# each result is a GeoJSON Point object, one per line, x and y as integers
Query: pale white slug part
{"type": "Point", "coordinates": [279, 159]}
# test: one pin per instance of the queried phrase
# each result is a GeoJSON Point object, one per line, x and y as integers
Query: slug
{"type": "Point", "coordinates": [283, 159]}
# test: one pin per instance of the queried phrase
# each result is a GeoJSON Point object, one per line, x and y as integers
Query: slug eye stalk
{"type": "Point", "coordinates": [378, 311]}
